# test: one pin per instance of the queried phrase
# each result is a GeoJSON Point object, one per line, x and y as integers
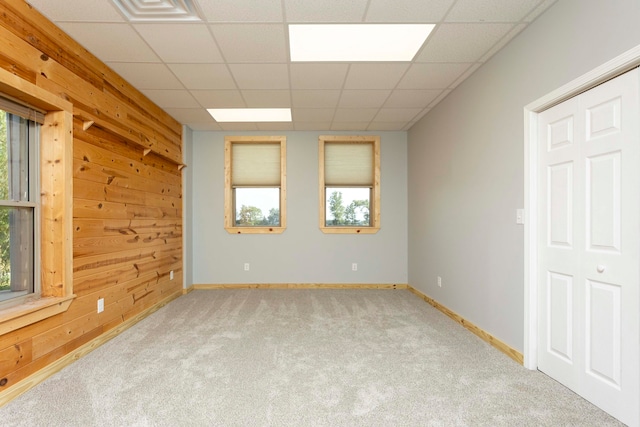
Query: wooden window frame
{"type": "Point", "coordinates": [229, 213]}
{"type": "Point", "coordinates": [56, 206]}
{"type": "Point", "coordinates": [375, 190]}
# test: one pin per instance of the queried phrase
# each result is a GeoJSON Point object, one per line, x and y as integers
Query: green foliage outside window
{"type": "Point", "coordinates": [356, 213]}
{"type": "Point", "coordinates": [253, 216]}
{"type": "Point", "coordinates": [5, 247]}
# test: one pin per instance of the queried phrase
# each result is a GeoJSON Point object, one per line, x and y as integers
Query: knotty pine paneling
{"type": "Point", "coordinates": [127, 206]}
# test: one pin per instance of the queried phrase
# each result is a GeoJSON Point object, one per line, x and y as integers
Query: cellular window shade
{"type": "Point", "coordinates": [21, 110]}
{"type": "Point", "coordinates": [348, 164]}
{"type": "Point", "coordinates": [255, 165]}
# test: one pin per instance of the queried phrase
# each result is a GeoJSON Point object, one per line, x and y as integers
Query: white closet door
{"type": "Point", "coordinates": [589, 259]}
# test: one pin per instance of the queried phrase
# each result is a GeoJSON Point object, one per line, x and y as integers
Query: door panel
{"type": "Point", "coordinates": [560, 205]}
{"type": "Point", "coordinates": [603, 202]}
{"type": "Point", "coordinates": [603, 332]}
{"type": "Point", "coordinates": [560, 311]}
{"type": "Point", "coordinates": [589, 245]}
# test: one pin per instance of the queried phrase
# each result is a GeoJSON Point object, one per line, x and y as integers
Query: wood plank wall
{"type": "Point", "coordinates": [127, 206]}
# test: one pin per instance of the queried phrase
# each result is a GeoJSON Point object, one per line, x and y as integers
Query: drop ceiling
{"type": "Point", "coordinates": [234, 54]}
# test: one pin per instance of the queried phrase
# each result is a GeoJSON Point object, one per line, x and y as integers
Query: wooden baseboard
{"type": "Point", "coordinates": [36, 378]}
{"type": "Point", "coordinates": [302, 286]}
{"type": "Point", "coordinates": [506, 349]}
{"type": "Point", "coordinates": [187, 290]}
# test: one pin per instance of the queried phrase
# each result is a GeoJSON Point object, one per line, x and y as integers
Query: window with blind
{"type": "Point", "coordinates": [19, 193]}
{"type": "Point", "coordinates": [349, 184]}
{"type": "Point", "coordinates": [255, 190]}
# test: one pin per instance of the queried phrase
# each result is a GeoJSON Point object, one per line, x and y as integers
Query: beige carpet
{"type": "Point", "coordinates": [299, 358]}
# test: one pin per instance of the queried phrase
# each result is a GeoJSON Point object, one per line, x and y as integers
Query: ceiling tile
{"type": "Point", "coordinates": [78, 10]}
{"type": "Point", "coordinates": [267, 98]}
{"type": "Point", "coordinates": [318, 76]}
{"type": "Point", "coordinates": [461, 42]}
{"type": "Point", "coordinates": [146, 75]}
{"type": "Point", "coordinates": [354, 114]}
{"type": "Point", "coordinates": [190, 43]}
{"type": "Point", "coordinates": [411, 98]}
{"type": "Point", "coordinates": [219, 98]}
{"type": "Point", "coordinates": [386, 126]}
{"type": "Point", "coordinates": [190, 115]}
{"type": "Point", "coordinates": [538, 11]}
{"type": "Point", "coordinates": [92, 37]}
{"type": "Point", "coordinates": [319, 126]}
{"type": "Point", "coordinates": [432, 76]}
{"type": "Point", "coordinates": [491, 10]}
{"type": "Point", "coordinates": [325, 10]}
{"type": "Point", "coordinates": [363, 98]}
{"type": "Point", "coordinates": [251, 43]}
{"type": "Point", "coordinates": [171, 98]}
{"type": "Point", "coordinates": [242, 10]}
{"type": "Point", "coordinates": [313, 114]}
{"type": "Point", "coordinates": [396, 114]}
{"type": "Point", "coordinates": [260, 76]}
{"type": "Point", "coordinates": [315, 98]}
{"type": "Point", "coordinates": [374, 76]}
{"type": "Point", "coordinates": [348, 126]}
{"type": "Point", "coordinates": [203, 76]}
{"type": "Point", "coordinates": [407, 10]}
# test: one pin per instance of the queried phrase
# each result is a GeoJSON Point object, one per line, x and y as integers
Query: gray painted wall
{"type": "Point", "coordinates": [302, 254]}
{"type": "Point", "coordinates": [466, 172]}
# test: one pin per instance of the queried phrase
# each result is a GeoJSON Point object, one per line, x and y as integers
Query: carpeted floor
{"type": "Point", "coordinates": [299, 358]}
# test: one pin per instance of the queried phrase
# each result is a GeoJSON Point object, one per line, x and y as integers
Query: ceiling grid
{"type": "Point", "coordinates": [191, 55]}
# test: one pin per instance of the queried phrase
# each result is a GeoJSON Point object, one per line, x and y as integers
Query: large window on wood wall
{"type": "Point", "coordinates": [19, 201]}
{"type": "Point", "coordinates": [349, 184]}
{"type": "Point", "coordinates": [53, 228]}
{"type": "Point", "coordinates": [255, 184]}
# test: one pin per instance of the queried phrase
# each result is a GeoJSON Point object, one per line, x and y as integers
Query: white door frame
{"type": "Point", "coordinates": [610, 69]}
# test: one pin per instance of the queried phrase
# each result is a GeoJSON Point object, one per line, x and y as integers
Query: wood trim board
{"type": "Point", "coordinates": [484, 335]}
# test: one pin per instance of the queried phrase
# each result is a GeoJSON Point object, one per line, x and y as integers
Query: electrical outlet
{"type": "Point", "coordinates": [100, 305]}
{"type": "Point", "coordinates": [354, 266]}
{"type": "Point", "coordinates": [246, 266]}
{"type": "Point", "coordinates": [520, 216]}
{"type": "Point", "coordinates": [171, 275]}
{"type": "Point", "coordinates": [439, 281]}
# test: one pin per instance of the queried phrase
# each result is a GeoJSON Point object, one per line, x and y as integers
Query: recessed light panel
{"type": "Point", "coordinates": [158, 10]}
{"type": "Point", "coordinates": [356, 42]}
{"type": "Point", "coordinates": [222, 115]}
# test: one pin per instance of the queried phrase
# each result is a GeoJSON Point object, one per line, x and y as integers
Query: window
{"type": "Point", "coordinates": [255, 184]}
{"type": "Point", "coordinates": [36, 223]}
{"type": "Point", "coordinates": [349, 184]}
{"type": "Point", "coordinates": [19, 210]}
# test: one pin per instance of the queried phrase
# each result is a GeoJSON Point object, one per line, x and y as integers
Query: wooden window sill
{"type": "Point", "coordinates": [350, 230]}
{"type": "Point", "coordinates": [13, 318]}
{"type": "Point", "coordinates": [255, 230]}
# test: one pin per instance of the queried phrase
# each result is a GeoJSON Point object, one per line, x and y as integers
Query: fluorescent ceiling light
{"type": "Point", "coordinates": [356, 42]}
{"type": "Point", "coordinates": [251, 114]}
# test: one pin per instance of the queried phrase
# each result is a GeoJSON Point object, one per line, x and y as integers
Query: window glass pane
{"type": "Point", "coordinates": [347, 206]}
{"type": "Point", "coordinates": [257, 207]}
{"type": "Point", "coordinates": [16, 251]}
{"type": "Point", "coordinates": [14, 157]}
